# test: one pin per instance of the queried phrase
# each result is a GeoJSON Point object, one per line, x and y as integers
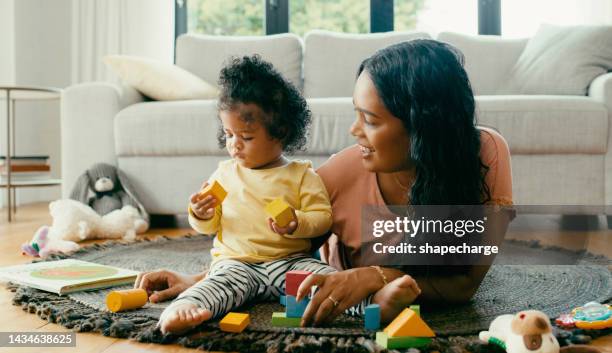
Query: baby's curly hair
{"type": "Point", "coordinates": [250, 79]}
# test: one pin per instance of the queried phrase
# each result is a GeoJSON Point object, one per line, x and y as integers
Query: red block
{"type": "Point", "coordinates": [293, 279]}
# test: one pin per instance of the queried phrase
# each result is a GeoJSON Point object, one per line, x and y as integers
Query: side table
{"type": "Point", "coordinates": [12, 94]}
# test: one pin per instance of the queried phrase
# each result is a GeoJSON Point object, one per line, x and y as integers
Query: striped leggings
{"type": "Point", "coordinates": [231, 283]}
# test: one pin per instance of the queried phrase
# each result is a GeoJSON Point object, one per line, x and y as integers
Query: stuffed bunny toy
{"type": "Point", "coordinates": [111, 190]}
{"type": "Point", "coordinates": [528, 331]}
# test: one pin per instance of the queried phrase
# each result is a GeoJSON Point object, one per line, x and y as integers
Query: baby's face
{"type": "Point", "coordinates": [247, 140]}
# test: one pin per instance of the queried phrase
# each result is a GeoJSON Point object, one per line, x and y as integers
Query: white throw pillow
{"type": "Point", "coordinates": [561, 61]}
{"type": "Point", "coordinates": [158, 80]}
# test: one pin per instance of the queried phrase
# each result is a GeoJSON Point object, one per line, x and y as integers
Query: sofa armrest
{"type": "Point", "coordinates": [601, 90]}
{"type": "Point", "coordinates": [87, 132]}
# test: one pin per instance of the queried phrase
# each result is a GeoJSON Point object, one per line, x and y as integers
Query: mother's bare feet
{"type": "Point", "coordinates": [178, 319]}
{"type": "Point", "coordinates": [395, 297]}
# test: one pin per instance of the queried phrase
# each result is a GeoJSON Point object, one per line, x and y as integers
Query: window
{"type": "Point", "coordinates": [226, 17]}
{"type": "Point", "coordinates": [521, 18]}
{"type": "Point", "coordinates": [247, 17]}
{"type": "Point", "coordinates": [435, 16]}
{"type": "Point", "coordinates": [351, 16]}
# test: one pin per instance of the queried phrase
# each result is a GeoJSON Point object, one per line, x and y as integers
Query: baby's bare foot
{"type": "Point", "coordinates": [395, 297]}
{"type": "Point", "coordinates": [178, 319]}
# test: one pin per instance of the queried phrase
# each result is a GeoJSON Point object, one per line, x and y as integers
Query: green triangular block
{"type": "Point", "coordinates": [401, 342]}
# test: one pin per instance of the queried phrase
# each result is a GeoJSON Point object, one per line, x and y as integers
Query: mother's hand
{"type": "Point", "coordinates": [163, 285]}
{"type": "Point", "coordinates": [336, 292]}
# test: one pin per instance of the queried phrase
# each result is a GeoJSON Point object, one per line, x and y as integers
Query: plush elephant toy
{"type": "Point", "coordinates": [111, 190]}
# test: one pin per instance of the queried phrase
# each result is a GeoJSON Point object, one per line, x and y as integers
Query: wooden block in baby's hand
{"type": "Point", "coordinates": [234, 322]}
{"type": "Point", "coordinates": [280, 211]}
{"type": "Point", "coordinates": [216, 190]}
{"type": "Point", "coordinates": [293, 279]}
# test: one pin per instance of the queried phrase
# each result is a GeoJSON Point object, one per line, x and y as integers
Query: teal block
{"type": "Point", "coordinates": [283, 300]}
{"type": "Point", "coordinates": [294, 308]}
{"type": "Point", "coordinates": [372, 317]}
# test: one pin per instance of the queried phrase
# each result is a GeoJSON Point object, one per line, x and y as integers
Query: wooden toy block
{"type": "Point", "coordinates": [121, 300]}
{"type": "Point", "coordinates": [293, 279]}
{"type": "Point", "coordinates": [408, 323]}
{"type": "Point", "coordinates": [234, 322]}
{"type": "Point", "coordinates": [283, 300]}
{"type": "Point", "coordinates": [281, 320]}
{"type": "Point", "coordinates": [294, 308]}
{"type": "Point", "coordinates": [401, 342]}
{"type": "Point", "coordinates": [372, 317]}
{"type": "Point", "coordinates": [215, 189]}
{"type": "Point", "coordinates": [416, 309]}
{"type": "Point", "coordinates": [280, 212]}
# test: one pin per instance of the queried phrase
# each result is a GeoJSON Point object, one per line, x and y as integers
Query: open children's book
{"type": "Point", "coordinates": [67, 276]}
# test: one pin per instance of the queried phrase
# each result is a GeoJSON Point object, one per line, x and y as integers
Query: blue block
{"type": "Point", "coordinates": [372, 317]}
{"type": "Point", "coordinates": [283, 300]}
{"type": "Point", "coordinates": [296, 309]}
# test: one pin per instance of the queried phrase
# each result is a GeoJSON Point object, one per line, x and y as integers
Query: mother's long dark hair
{"type": "Point", "coordinates": [423, 83]}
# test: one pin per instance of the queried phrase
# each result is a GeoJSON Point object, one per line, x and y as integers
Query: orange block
{"type": "Point", "coordinates": [280, 212]}
{"type": "Point", "coordinates": [408, 323]}
{"type": "Point", "coordinates": [215, 189]}
{"type": "Point", "coordinates": [120, 300]}
{"type": "Point", "coordinates": [234, 322]}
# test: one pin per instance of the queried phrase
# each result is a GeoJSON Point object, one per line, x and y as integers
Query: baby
{"type": "Point", "coordinates": [262, 116]}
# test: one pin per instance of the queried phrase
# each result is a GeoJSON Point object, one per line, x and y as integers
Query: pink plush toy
{"type": "Point", "coordinates": [42, 246]}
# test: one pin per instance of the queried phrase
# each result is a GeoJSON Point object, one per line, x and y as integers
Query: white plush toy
{"type": "Point", "coordinates": [528, 331]}
{"type": "Point", "coordinates": [75, 221]}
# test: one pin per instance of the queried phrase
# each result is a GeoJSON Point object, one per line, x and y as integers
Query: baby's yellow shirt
{"type": "Point", "coordinates": [241, 223]}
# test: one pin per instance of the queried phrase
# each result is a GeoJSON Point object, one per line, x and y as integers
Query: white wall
{"type": "Point", "coordinates": [41, 52]}
{"type": "Point", "coordinates": [7, 67]}
{"type": "Point", "coordinates": [7, 43]}
{"type": "Point", "coordinates": [38, 46]}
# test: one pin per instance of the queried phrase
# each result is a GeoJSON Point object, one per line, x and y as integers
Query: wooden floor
{"type": "Point", "coordinates": [30, 217]}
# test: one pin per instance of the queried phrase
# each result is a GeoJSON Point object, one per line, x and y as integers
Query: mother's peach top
{"type": "Point", "coordinates": [350, 186]}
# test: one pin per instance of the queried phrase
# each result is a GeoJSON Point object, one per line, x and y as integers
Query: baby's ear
{"type": "Point", "coordinates": [579, 348]}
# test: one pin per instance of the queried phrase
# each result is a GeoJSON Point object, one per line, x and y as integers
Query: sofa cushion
{"type": "Point", "coordinates": [189, 128]}
{"type": "Point", "coordinates": [158, 80]}
{"type": "Point", "coordinates": [205, 55]}
{"type": "Point", "coordinates": [547, 124]}
{"type": "Point", "coordinates": [331, 59]}
{"type": "Point", "coordinates": [561, 60]}
{"type": "Point", "coordinates": [488, 59]}
{"type": "Point", "coordinates": [177, 128]}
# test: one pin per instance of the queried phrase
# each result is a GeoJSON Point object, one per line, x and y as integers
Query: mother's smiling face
{"type": "Point", "coordinates": [383, 138]}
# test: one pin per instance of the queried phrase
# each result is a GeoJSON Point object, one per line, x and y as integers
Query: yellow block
{"type": "Point", "coordinates": [280, 212]}
{"type": "Point", "coordinates": [234, 322]}
{"type": "Point", "coordinates": [215, 189]}
{"type": "Point", "coordinates": [120, 300]}
{"type": "Point", "coordinates": [408, 323]}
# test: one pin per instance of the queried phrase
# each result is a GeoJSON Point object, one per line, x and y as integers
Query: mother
{"type": "Point", "coordinates": [417, 144]}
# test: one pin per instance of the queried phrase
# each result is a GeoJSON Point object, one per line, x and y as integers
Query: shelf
{"type": "Point", "coordinates": [32, 183]}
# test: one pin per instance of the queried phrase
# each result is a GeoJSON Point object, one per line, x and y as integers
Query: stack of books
{"type": "Point", "coordinates": [25, 168]}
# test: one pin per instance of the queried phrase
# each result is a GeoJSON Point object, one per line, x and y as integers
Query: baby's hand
{"type": "Point", "coordinates": [289, 229]}
{"type": "Point", "coordinates": [203, 209]}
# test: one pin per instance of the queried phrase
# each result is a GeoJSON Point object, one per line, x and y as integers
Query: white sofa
{"type": "Point", "coordinates": [560, 145]}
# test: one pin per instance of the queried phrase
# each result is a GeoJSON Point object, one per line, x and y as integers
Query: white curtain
{"type": "Point", "coordinates": [129, 27]}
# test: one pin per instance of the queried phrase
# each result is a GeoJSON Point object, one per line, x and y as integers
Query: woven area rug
{"type": "Point", "coordinates": [506, 289]}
